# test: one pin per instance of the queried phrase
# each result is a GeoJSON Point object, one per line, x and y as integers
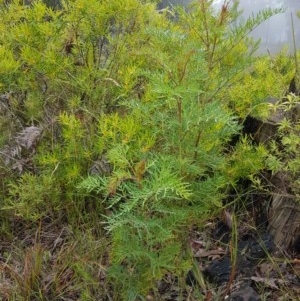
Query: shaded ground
{"type": "Point", "coordinates": [239, 261]}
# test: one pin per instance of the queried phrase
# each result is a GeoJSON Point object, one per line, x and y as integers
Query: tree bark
{"type": "Point", "coordinates": [284, 211]}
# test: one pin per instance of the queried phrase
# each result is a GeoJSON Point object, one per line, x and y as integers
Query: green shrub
{"type": "Point", "coordinates": [155, 102]}
{"type": "Point", "coordinates": [284, 151]}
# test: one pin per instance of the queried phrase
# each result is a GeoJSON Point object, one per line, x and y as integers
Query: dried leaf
{"type": "Point", "coordinates": [207, 253]}
{"type": "Point", "coordinates": [24, 140]}
{"type": "Point", "coordinates": [101, 167]}
{"type": "Point", "coordinates": [28, 136]}
{"type": "Point", "coordinates": [269, 282]}
{"type": "Point", "coordinates": [228, 218]}
{"type": "Point", "coordinates": [139, 170]}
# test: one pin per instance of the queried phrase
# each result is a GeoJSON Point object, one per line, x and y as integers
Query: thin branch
{"type": "Point", "coordinates": [295, 50]}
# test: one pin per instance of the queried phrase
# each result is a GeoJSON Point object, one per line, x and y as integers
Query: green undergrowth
{"type": "Point", "coordinates": [118, 125]}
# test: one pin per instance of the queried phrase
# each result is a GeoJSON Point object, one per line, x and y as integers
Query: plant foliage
{"type": "Point", "coordinates": [133, 112]}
